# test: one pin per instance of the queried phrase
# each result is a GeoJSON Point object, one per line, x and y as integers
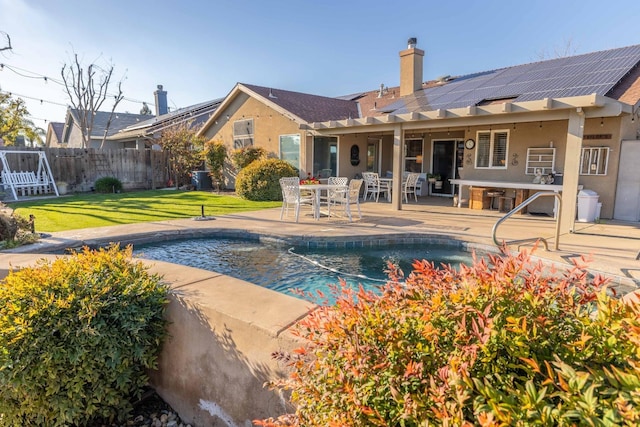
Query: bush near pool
{"type": "Point", "coordinates": [497, 343]}
{"type": "Point", "coordinates": [76, 338]}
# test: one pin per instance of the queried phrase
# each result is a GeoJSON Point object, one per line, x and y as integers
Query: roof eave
{"type": "Point", "coordinates": [593, 105]}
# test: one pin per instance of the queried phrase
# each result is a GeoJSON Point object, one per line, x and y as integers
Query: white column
{"type": "Point", "coordinates": [398, 166]}
{"type": "Point", "coordinates": [575, 133]}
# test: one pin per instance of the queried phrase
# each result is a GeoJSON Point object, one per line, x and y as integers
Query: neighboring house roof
{"type": "Point", "coordinates": [54, 133]}
{"type": "Point", "coordinates": [197, 114]}
{"type": "Point", "coordinates": [601, 73]}
{"type": "Point", "coordinates": [118, 122]}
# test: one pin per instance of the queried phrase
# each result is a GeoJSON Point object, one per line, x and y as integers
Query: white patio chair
{"type": "Point", "coordinates": [344, 199]}
{"type": "Point", "coordinates": [292, 197]}
{"type": "Point", "coordinates": [410, 186]}
{"type": "Point", "coordinates": [333, 180]}
{"type": "Point", "coordinates": [373, 185]}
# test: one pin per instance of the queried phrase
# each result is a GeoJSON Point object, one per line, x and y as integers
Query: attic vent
{"type": "Point", "coordinates": [495, 101]}
{"type": "Point", "coordinates": [271, 95]}
{"type": "Point", "coordinates": [444, 79]}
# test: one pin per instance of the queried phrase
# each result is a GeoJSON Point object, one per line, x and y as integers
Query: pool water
{"type": "Point", "coordinates": [285, 269]}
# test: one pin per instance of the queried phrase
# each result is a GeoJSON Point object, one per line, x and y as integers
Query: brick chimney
{"type": "Point", "coordinates": [161, 101]}
{"type": "Point", "coordinates": [411, 68]}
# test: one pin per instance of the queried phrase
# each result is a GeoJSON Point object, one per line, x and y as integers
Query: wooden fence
{"type": "Point", "coordinates": [81, 167]}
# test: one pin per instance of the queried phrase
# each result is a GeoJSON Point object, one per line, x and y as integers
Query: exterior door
{"type": "Point", "coordinates": [444, 164]}
{"type": "Point", "coordinates": [627, 204]}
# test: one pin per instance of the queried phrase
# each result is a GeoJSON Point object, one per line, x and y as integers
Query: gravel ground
{"type": "Point", "coordinates": [150, 411]}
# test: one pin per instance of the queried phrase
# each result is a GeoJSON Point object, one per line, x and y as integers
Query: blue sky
{"type": "Point", "coordinates": [198, 50]}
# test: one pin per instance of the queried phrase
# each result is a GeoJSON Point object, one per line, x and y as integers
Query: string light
{"type": "Point", "coordinates": [34, 75]}
{"type": "Point", "coordinates": [33, 98]}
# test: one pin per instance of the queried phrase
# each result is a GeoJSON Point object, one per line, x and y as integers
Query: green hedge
{"type": "Point", "coordinates": [259, 181]}
{"type": "Point", "coordinates": [76, 338]}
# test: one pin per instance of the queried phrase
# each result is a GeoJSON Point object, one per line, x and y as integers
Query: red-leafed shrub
{"type": "Point", "coordinates": [504, 342]}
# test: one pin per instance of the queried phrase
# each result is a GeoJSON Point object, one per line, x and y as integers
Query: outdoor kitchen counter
{"type": "Point", "coordinates": [557, 188]}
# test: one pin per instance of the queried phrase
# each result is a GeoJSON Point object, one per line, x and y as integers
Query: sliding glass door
{"type": "Point", "coordinates": [325, 156]}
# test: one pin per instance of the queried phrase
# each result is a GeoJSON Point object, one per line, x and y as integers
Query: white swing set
{"type": "Point", "coordinates": [28, 183]}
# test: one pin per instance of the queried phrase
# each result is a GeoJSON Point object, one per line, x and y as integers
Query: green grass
{"type": "Point", "coordinates": [98, 210]}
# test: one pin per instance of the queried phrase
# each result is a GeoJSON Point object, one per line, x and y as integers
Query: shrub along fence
{"type": "Point", "coordinates": [81, 167]}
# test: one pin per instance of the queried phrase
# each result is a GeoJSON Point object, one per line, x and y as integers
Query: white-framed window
{"type": "Point", "coordinates": [594, 161]}
{"type": "Point", "coordinates": [243, 133]}
{"type": "Point", "coordinates": [290, 149]}
{"type": "Point", "coordinates": [492, 149]}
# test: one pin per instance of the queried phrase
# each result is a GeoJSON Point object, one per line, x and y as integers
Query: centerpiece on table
{"type": "Point", "coordinates": [309, 180]}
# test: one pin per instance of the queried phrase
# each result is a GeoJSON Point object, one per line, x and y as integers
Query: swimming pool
{"type": "Point", "coordinates": [286, 269]}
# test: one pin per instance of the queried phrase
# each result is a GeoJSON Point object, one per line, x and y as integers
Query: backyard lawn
{"type": "Point", "coordinates": [96, 210]}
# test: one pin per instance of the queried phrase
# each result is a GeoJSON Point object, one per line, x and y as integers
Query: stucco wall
{"type": "Point", "coordinates": [268, 126]}
{"type": "Point", "coordinates": [542, 134]}
{"type": "Point", "coordinates": [223, 331]}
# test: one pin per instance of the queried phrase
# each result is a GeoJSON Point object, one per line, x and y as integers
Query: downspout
{"type": "Point", "coordinates": [575, 134]}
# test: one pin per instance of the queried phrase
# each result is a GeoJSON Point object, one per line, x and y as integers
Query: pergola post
{"type": "Point", "coordinates": [398, 166]}
{"type": "Point", "coordinates": [575, 133]}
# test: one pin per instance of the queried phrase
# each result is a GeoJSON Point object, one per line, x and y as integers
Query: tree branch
{"type": "Point", "coordinates": [87, 91]}
{"type": "Point", "coordinates": [7, 46]}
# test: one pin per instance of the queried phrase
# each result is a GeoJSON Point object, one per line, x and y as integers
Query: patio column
{"type": "Point", "coordinates": [575, 133]}
{"type": "Point", "coordinates": [398, 163]}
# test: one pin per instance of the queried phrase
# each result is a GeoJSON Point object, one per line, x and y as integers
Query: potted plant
{"type": "Point", "coordinates": [437, 181]}
{"type": "Point", "coordinates": [431, 178]}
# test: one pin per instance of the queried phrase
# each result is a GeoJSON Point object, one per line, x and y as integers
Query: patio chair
{"type": "Point", "coordinates": [293, 198]}
{"type": "Point", "coordinates": [410, 186]}
{"type": "Point", "coordinates": [334, 180]}
{"type": "Point", "coordinates": [373, 185]}
{"type": "Point", "coordinates": [346, 198]}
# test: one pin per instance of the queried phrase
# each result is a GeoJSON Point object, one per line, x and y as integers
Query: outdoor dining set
{"type": "Point", "coordinates": [339, 194]}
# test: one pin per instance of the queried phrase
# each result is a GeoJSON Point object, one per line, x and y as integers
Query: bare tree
{"type": "Point", "coordinates": [568, 49]}
{"type": "Point", "coordinates": [87, 90]}
{"type": "Point", "coordinates": [7, 43]}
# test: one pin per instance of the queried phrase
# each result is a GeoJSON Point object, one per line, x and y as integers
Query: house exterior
{"type": "Point", "coordinates": [54, 134]}
{"type": "Point", "coordinates": [273, 118]}
{"type": "Point", "coordinates": [146, 133]}
{"type": "Point", "coordinates": [134, 131]}
{"type": "Point", "coordinates": [71, 136]}
{"type": "Point", "coordinates": [574, 117]}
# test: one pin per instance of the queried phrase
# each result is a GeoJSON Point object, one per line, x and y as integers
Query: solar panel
{"type": "Point", "coordinates": [596, 72]}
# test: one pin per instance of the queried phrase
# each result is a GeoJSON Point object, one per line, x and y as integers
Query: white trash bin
{"type": "Point", "coordinates": [587, 205]}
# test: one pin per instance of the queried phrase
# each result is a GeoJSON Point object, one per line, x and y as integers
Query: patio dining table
{"type": "Point", "coordinates": [317, 189]}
